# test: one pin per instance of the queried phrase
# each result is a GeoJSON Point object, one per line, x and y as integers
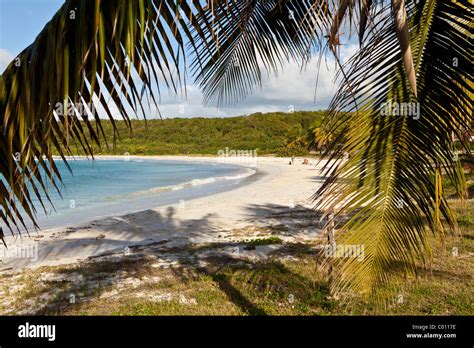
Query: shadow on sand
{"type": "Point", "coordinates": [135, 258]}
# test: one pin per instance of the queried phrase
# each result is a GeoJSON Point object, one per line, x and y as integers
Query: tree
{"type": "Point", "coordinates": [413, 56]}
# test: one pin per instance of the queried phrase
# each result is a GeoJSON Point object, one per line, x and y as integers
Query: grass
{"type": "Point", "coordinates": [251, 245]}
{"type": "Point", "coordinates": [223, 284]}
{"type": "Point", "coordinates": [228, 286]}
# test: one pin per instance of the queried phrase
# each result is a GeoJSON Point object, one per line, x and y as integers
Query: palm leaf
{"type": "Point", "coordinates": [254, 37]}
{"type": "Point", "coordinates": [390, 187]}
{"type": "Point", "coordinates": [97, 54]}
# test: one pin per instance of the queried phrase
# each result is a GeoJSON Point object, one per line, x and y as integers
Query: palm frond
{"type": "Point", "coordinates": [250, 38]}
{"type": "Point", "coordinates": [92, 55]}
{"type": "Point", "coordinates": [390, 187]}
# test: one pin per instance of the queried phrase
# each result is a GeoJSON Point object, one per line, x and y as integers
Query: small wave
{"type": "Point", "coordinates": [195, 182]}
{"type": "Point", "coordinates": [241, 176]}
{"type": "Point", "coordinates": [198, 182]}
{"type": "Point", "coordinates": [188, 184]}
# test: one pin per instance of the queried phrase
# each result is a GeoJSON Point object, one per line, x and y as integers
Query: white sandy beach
{"type": "Point", "coordinates": [279, 194]}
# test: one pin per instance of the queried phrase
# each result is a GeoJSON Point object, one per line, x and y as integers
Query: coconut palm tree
{"type": "Point", "coordinates": [415, 54]}
{"type": "Point", "coordinates": [408, 88]}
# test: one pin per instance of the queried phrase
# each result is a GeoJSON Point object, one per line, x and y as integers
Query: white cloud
{"type": "Point", "coordinates": [291, 87]}
{"type": "Point", "coordinates": [5, 58]}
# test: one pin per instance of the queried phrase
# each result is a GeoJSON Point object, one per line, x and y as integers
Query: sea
{"type": "Point", "coordinates": [106, 187]}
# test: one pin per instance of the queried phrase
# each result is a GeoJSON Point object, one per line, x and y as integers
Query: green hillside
{"type": "Point", "coordinates": [268, 133]}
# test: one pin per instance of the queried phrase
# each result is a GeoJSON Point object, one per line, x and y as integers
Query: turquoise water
{"type": "Point", "coordinates": [115, 186]}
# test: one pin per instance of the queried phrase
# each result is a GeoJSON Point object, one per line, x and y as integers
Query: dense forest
{"type": "Point", "coordinates": [281, 134]}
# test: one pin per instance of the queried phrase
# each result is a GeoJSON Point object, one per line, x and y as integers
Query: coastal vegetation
{"type": "Point", "coordinates": [269, 133]}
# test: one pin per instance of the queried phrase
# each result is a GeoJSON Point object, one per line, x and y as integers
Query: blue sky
{"type": "Point", "coordinates": [22, 20]}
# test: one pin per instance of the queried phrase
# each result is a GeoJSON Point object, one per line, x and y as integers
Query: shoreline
{"type": "Point", "coordinates": [195, 188]}
{"type": "Point", "coordinates": [275, 187]}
